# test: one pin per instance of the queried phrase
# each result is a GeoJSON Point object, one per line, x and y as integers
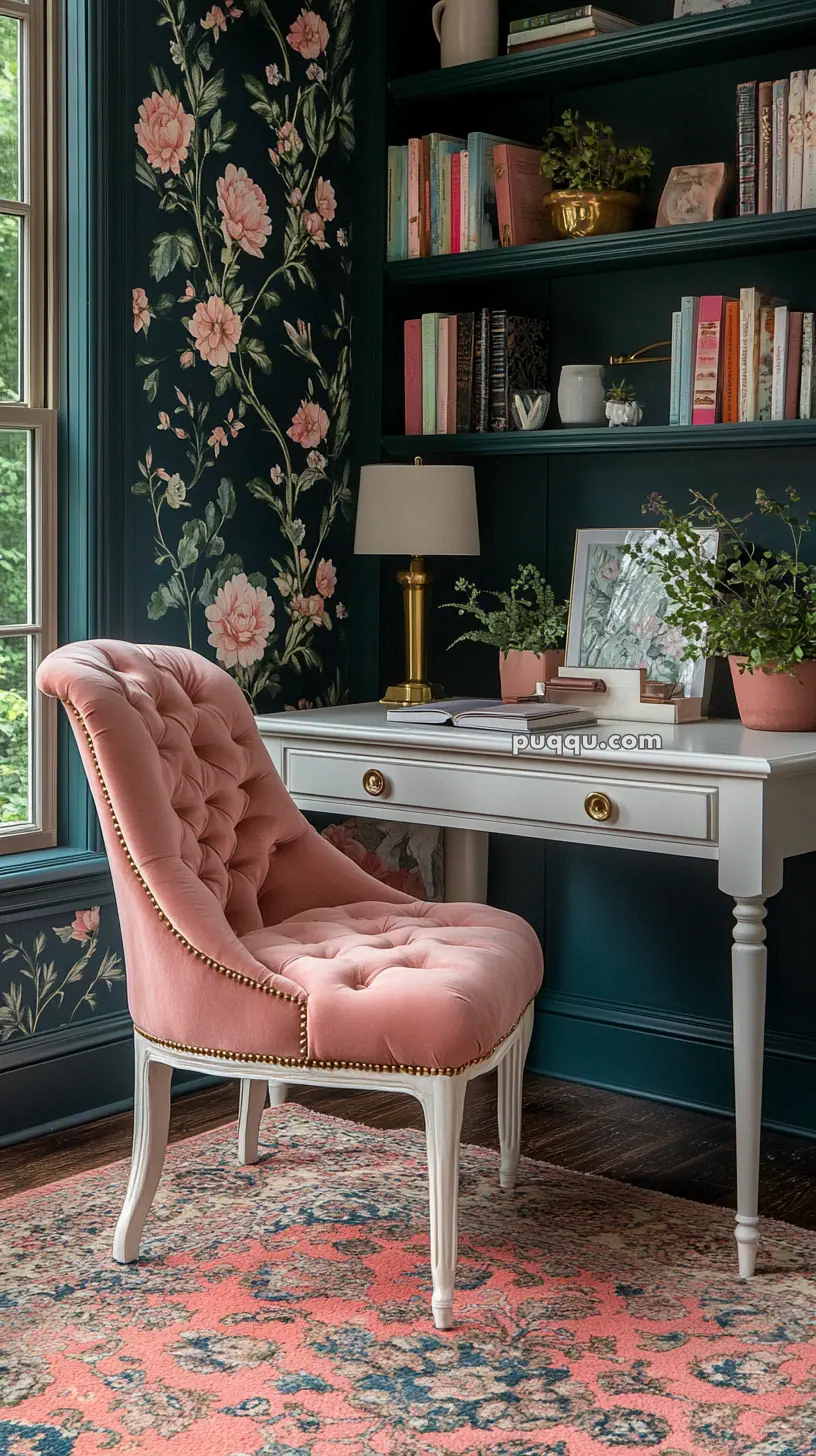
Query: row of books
{"type": "Point", "coordinates": [740, 360]}
{"type": "Point", "coordinates": [576, 22]}
{"type": "Point", "coordinates": [776, 144]}
{"type": "Point", "coordinates": [462, 370]}
{"type": "Point", "coordinates": [448, 195]}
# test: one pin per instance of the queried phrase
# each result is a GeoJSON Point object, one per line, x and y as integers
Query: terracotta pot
{"type": "Point", "coordinates": [521, 671]}
{"type": "Point", "coordinates": [776, 701]}
{"type": "Point", "coordinates": [576, 214]}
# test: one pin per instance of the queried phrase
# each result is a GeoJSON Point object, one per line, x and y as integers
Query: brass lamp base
{"type": "Point", "coordinates": [416, 689]}
{"type": "Point", "coordinates": [407, 694]}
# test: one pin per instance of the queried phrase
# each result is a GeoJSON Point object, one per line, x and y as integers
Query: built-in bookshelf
{"type": "Point", "coordinates": [646, 439]}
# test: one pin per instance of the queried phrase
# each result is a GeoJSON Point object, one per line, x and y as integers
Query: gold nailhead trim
{"type": "Point", "coordinates": [313, 1064]}
{"type": "Point", "coordinates": [214, 965]}
{"type": "Point", "coordinates": [257, 1058]}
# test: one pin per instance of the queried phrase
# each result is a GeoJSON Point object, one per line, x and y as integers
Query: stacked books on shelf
{"type": "Point", "coordinates": [741, 360]}
{"type": "Point", "coordinates": [462, 370]}
{"type": "Point", "coordinates": [574, 22]}
{"type": "Point", "coordinates": [447, 195]}
{"type": "Point", "coordinates": [776, 144]}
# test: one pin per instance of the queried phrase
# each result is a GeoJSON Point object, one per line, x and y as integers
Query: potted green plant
{"type": "Point", "coordinates": [528, 627]}
{"type": "Point", "coordinates": [754, 606]}
{"type": "Point", "coordinates": [592, 178]}
{"type": "Point", "coordinates": [622, 406]}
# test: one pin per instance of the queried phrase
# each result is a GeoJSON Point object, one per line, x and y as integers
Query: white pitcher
{"type": "Point", "coordinates": [467, 30]}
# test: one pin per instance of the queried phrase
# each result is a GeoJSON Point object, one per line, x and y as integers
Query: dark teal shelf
{"type": "Point", "coordinates": [649, 50]}
{"type": "Point", "coordinates": [777, 435]}
{"type": "Point", "coordinates": [651, 248]}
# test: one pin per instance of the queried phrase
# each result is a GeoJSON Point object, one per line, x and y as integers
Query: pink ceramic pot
{"type": "Point", "coordinates": [775, 701]}
{"type": "Point", "coordinates": [520, 671]}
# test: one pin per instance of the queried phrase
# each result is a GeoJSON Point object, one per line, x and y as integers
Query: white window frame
{"type": "Point", "coordinates": [36, 412]}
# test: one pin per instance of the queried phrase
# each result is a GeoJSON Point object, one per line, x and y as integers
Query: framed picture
{"type": "Point", "coordinates": [702, 7]}
{"type": "Point", "coordinates": [618, 609]}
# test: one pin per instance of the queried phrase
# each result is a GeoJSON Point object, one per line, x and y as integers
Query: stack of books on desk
{"type": "Point", "coordinates": [494, 716]}
{"type": "Point", "coordinates": [574, 22]}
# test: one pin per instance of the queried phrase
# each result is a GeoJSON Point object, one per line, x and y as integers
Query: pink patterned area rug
{"type": "Point", "coordinates": [284, 1310]}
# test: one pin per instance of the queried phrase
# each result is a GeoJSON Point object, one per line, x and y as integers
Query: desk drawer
{"type": "Point", "coordinates": [608, 805]}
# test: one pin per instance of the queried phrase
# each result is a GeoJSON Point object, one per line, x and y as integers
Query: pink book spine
{"type": "Point", "coordinates": [414, 222]}
{"type": "Point", "coordinates": [456, 202]}
{"type": "Point", "coordinates": [707, 365]}
{"type": "Point", "coordinates": [464, 185]}
{"type": "Point", "coordinates": [442, 368]}
{"type": "Point", "coordinates": [413, 376]}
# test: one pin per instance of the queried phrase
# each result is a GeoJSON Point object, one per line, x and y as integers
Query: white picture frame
{"type": "Point", "coordinates": [618, 607]}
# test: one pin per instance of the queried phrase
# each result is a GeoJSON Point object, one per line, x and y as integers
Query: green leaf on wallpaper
{"type": "Point", "coordinates": [145, 173]}
{"type": "Point", "coordinates": [162, 307]}
{"type": "Point", "coordinates": [188, 249]}
{"type": "Point", "coordinates": [213, 91]}
{"type": "Point", "coordinates": [159, 79]}
{"type": "Point", "coordinates": [226, 497]}
{"type": "Point", "coordinates": [221, 378]}
{"type": "Point", "coordinates": [160, 603]}
{"type": "Point", "coordinates": [206, 592]}
{"type": "Point", "coordinates": [217, 546]}
{"type": "Point", "coordinates": [257, 353]}
{"type": "Point", "coordinates": [151, 385]}
{"type": "Point", "coordinates": [165, 255]}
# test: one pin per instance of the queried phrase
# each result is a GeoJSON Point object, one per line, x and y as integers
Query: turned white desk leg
{"type": "Point", "coordinates": [749, 973]}
{"type": "Point", "coordinates": [466, 866]}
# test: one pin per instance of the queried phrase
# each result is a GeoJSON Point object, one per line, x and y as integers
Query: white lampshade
{"type": "Point", "coordinates": [417, 510]}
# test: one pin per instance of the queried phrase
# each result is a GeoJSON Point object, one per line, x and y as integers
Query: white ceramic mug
{"type": "Point", "coordinates": [467, 30]}
{"type": "Point", "coordinates": [581, 398]}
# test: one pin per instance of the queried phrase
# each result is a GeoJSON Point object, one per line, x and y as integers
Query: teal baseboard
{"type": "Point", "coordinates": [665, 1058]}
{"type": "Point", "coordinates": [72, 1076]}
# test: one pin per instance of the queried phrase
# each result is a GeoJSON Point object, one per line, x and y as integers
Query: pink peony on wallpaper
{"type": "Point", "coordinates": [240, 310]}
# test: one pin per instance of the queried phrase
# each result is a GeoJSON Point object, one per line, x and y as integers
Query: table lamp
{"type": "Point", "coordinates": [416, 510]}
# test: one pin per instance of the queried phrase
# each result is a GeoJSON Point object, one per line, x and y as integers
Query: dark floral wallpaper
{"type": "Point", "coordinates": [243, 143]}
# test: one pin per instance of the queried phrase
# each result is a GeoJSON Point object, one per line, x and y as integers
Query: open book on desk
{"type": "Point", "coordinates": [488, 713]}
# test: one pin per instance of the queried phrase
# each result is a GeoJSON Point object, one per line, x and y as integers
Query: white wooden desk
{"type": "Point", "coordinates": [712, 790]}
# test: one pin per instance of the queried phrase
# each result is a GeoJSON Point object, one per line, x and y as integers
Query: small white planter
{"type": "Point", "coordinates": [623, 412]}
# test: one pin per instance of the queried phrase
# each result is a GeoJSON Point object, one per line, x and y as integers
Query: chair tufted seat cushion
{"type": "Point", "coordinates": [417, 984]}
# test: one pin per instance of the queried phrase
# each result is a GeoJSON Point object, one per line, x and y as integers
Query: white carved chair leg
{"type": "Point", "coordinates": [443, 1100]}
{"type": "Point", "coordinates": [749, 972]}
{"type": "Point", "coordinates": [511, 1077]}
{"type": "Point", "coordinates": [278, 1093]}
{"type": "Point", "coordinates": [151, 1124]}
{"type": "Point", "coordinates": [251, 1103]}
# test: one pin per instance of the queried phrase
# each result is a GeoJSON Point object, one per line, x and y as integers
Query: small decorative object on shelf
{"type": "Point", "coordinates": [528, 628]}
{"type": "Point", "coordinates": [530, 409]}
{"type": "Point", "coordinates": [695, 194]}
{"type": "Point", "coordinates": [467, 30]}
{"type": "Point", "coordinates": [590, 174]}
{"type": "Point", "coordinates": [753, 606]}
{"type": "Point", "coordinates": [702, 7]}
{"type": "Point", "coordinates": [622, 407]}
{"type": "Point", "coordinates": [581, 397]}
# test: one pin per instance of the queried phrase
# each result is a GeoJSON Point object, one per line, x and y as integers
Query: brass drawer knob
{"type": "Point", "coordinates": [374, 783]}
{"type": "Point", "coordinates": [599, 807]}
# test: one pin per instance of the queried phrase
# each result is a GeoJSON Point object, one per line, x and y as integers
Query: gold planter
{"type": "Point", "coordinates": [575, 214]}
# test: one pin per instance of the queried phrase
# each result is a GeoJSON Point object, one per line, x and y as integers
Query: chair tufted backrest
{"type": "Point", "coordinates": [172, 744]}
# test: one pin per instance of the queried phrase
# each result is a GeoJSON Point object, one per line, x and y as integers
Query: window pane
{"type": "Point", "coordinates": [14, 566]}
{"type": "Point", "coordinates": [10, 240]}
{"type": "Point", "coordinates": [15, 660]}
{"type": "Point", "coordinates": [9, 108]}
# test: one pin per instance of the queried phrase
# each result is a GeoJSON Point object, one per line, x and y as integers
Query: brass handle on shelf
{"type": "Point", "coordinates": [374, 783]}
{"type": "Point", "coordinates": [599, 807]}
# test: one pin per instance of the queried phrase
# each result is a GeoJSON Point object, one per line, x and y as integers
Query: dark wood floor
{"type": "Point", "coordinates": [651, 1145]}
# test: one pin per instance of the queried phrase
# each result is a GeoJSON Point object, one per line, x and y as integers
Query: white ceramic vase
{"type": "Point", "coordinates": [467, 30]}
{"type": "Point", "coordinates": [581, 398]}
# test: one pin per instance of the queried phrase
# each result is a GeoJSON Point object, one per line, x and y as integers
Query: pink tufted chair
{"type": "Point", "coordinates": [256, 949]}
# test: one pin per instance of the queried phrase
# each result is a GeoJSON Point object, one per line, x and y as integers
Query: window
{"type": "Point", "coordinates": [27, 431]}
